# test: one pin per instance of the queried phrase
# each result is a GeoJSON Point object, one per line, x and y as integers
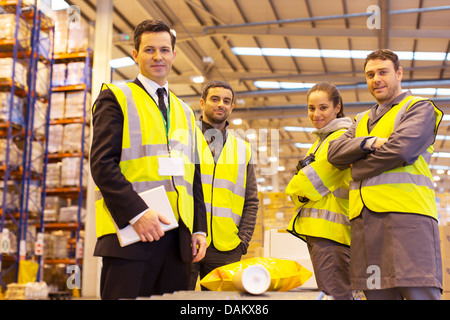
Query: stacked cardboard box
{"type": "Point", "coordinates": [72, 32]}
{"type": "Point", "coordinates": [57, 105]}
{"type": "Point", "coordinates": [20, 72]}
{"type": "Point", "coordinates": [59, 75]}
{"type": "Point", "coordinates": [275, 212]}
{"type": "Point", "coordinates": [7, 31]}
{"type": "Point", "coordinates": [16, 111]}
{"type": "Point", "coordinates": [55, 138]}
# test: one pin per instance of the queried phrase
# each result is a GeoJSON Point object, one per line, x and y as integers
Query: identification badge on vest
{"type": "Point", "coordinates": [172, 166]}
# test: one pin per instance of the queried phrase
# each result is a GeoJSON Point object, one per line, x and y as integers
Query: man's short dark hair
{"type": "Point", "coordinates": [383, 54]}
{"type": "Point", "coordinates": [216, 84]}
{"type": "Point", "coordinates": [151, 26]}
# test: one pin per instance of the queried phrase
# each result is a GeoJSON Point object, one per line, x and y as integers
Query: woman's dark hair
{"type": "Point", "coordinates": [333, 94]}
{"type": "Point", "coordinates": [151, 26]}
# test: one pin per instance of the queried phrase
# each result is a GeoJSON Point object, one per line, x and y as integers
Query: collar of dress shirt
{"type": "Point", "coordinates": [151, 87]}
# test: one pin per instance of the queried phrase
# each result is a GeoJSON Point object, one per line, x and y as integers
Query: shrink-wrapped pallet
{"type": "Point", "coordinates": [75, 73]}
{"type": "Point", "coordinates": [20, 72]}
{"type": "Point", "coordinates": [16, 111]}
{"type": "Point", "coordinates": [57, 105]}
{"type": "Point", "coordinates": [59, 74]}
{"type": "Point", "coordinates": [53, 179]}
{"type": "Point", "coordinates": [55, 138]}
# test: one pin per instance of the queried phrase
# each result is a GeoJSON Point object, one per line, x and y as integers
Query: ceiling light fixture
{"type": "Point", "coordinates": [121, 62]}
{"type": "Point", "coordinates": [327, 53]}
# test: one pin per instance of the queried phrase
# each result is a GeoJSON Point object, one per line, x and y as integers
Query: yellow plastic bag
{"type": "Point", "coordinates": [27, 271]}
{"type": "Point", "coordinates": [284, 274]}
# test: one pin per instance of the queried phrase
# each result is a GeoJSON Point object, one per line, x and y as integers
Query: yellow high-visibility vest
{"type": "Point", "coordinates": [145, 140]}
{"type": "Point", "coordinates": [407, 189]}
{"type": "Point", "coordinates": [224, 186]}
{"type": "Point", "coordinates": [325, 215]}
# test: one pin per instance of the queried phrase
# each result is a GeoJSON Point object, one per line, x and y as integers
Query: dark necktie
{"type": "Point", "coordinates": [161, 92]}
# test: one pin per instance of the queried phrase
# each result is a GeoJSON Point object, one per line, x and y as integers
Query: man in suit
{"type": "Point", "coordinates": [144, 137]}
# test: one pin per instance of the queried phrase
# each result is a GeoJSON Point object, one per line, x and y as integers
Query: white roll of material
{"type": "Point", "coordinates": [254, 279]}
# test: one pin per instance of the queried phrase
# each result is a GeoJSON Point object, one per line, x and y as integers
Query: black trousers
{"type": "Point", "coordinates": [163, 272]}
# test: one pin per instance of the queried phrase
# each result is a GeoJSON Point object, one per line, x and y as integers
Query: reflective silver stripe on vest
{"type": "Point", "coordinates": [137, 152]}
{"type": "Point", "coordinates": [206, 178]}
{"type": "Point", "coordinates": [402, 111]}
{"type": "Point", "coordinates": [188, 150]}
{"type": "Point", "coordinates": [341, 193]}
{"type": "Point", "coordinates": [326, 215]}
{"type": "Point", "coordinates": [399, 177]}
{"type": "Point", "coordinates": [314, 178]}
{"type": "Point", "coordinates": [226, 184]}
{"type": "Point", "coordinates": [227, 213]}
{"type": "Point", "coordinates": [426, 156]}
{"type": "Point", "coordinates": [146, 185]}
{"type": "Point", "coordinates": [134, 123]}
{"type": "Point", "coordinates": [237, 188]}
{"type": "Point", "coordinates": [354, 185]}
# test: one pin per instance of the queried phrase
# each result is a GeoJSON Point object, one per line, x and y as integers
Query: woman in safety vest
{"type": "Point", "coordinates": [320, 194]}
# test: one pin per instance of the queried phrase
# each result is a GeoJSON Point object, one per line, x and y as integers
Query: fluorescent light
{"type": "Point", "coordinates": [281, 52]}
{"type": "Point", "coordinates": [443, 92]}
{"type": "Point", "coordinates": [329, 53]}
{"type": "Point", "coordinates": [59, 5]}
{"type": "Point", "coordinates": [240, 51]}
{"type": "Point", "coordinates": [441, 154]}
{"type": "Point", "coordinates": [267, 84]}
{"type": "Point", "coordinates": [442, 137]}
{"type": "Point", "coordinates": [237, 121]}
{"type": "Point", "coordinates": [435, 166]}
{"type": "Point", "coordinates": [282, 85]}
{"type": "Point", "coordinates": [424, 91]}
{"type": "Point", "coordinates": [435, 56]}
{"type": "Point", "coordinates": [299, 129]}
{"type": "Point", "coordinates": [262, 149]}
{"type": "Point", "coordinates": [121, 62]}
{"type": "Point", "coordinates": [197, 79]}
{"type": "Point", "coordinates": [251, 136]}
{"type": "Point", "coordinates": [430, 91]}
{"type": "Point", "coordinates": [303, 145]}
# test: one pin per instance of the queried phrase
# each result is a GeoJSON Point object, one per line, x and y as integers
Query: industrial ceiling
{"type": "Point", "coordinates": [294, 44]}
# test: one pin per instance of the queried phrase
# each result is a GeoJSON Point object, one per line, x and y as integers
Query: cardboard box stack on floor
{"type": "Point", "coordinates": [275, 211]}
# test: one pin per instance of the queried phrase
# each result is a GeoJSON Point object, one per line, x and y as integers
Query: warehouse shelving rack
{"type": "Point", "coordinates": [20, 178]}
{"type": "Point", "coordinates": [78, 192]}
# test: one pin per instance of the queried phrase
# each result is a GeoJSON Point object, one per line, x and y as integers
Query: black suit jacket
{"type": "Point", "coordinates": [120, 198]}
